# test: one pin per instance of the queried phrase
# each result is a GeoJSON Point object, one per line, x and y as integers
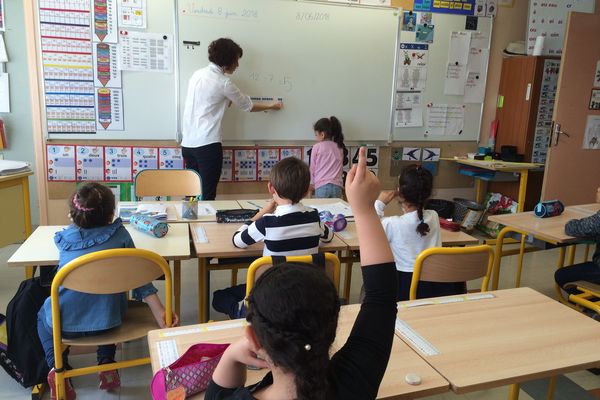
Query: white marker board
{"type": "Point", "coordinates": [322, 59]}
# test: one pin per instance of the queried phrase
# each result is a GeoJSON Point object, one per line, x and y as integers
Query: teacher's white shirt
{"type": "Point", "coordinates": [208, 96]}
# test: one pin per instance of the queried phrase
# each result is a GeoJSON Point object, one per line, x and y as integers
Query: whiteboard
{"type": "Point", "coordinates": [149, 98]}
{"type": "Point", "coordinates": [436, 72]}
{"type": "Point", "coordinates": [322, 59]}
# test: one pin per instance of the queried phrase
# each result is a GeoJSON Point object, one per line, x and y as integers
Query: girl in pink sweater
{"type": "Point", "coordinates": [327, 158]}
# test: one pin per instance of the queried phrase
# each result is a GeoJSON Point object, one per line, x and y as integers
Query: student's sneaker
{"type": "Point", "coordinates": [109, 380]}
{"type": "Point", "coordinates": [69, 391]}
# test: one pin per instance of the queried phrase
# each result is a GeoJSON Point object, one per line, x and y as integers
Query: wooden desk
{"type": "Point", "coordinates": [501, 166]}
{"type": "Point", "coordinates": [350, 237]}
{"type": "Point", "coordinates": [402, 360]}
{"type": "Point", "coordinates": [551, 230]}
{"type": "Point", "coordinates": [174, 209]}
{"type": "Point", "coordinates": [16, 216]}
{"type": "Point", "coordinates": [219, 245]}
{"type": "Point", "coordinates": [309, 202]}
{"type": "Point", "coordinates": [517, 336]}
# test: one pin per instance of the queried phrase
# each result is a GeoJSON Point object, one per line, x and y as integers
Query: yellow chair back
{"type": "Point", "coordinates": [168, 182]}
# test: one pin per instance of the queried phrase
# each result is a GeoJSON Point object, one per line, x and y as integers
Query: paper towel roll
{"type": "Point", "coordinates": [539, 46]}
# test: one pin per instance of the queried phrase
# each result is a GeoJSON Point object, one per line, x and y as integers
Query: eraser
{"type": "Point", "coordinates": [412, 379]}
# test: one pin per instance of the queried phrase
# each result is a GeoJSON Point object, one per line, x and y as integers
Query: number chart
{"type": "Point", "coordinates": [144, 158]}
{"type": "Point", "coordinates": [90, 163]}
{"type": "Point", "coordinates": [170, 158]}
{"type": "Point", "coordinates": [61, 162]}
{"type": "Point", "coordinates": [118, 164]}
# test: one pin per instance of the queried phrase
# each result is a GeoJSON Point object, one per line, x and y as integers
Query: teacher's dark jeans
{"type": "Point", "coordinates": [208, 162]}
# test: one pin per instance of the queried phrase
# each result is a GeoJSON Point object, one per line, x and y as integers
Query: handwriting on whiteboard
{"type": "Point", "coordinates": [196, 8]}
{"type": "Point", "coordinates": [312, 16]}
{"type": "Point", "coordinates": [282, 80]}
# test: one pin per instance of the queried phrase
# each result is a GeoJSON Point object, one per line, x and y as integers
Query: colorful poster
{"type": "Point", "coordinates": [412, 68]}
{"type": "Point", "coordinates": [90, 163]}
{"type": "Point", "coordinates": [227, 170]}
{"type": "Point", "coordinates": [132, 14]}
{"type": "Point", "coordinates": [61, 162]}
{"type": "Point", "coordinates": [267, 158]}
{"type": "Point", "coordinates": [460, 7]}
{"type": "Point", "coordinates": [425, 33]}
{"type": "Point", "coordinates": [141, 51]}
{"type": "Point", "coordinates": [66, 45]}
{"type": "Point", "coordinates": [170, 158]}
{"type": "Point", "coordinates": [244, 165]}
{"type": "Point", "coordinates": [106, 72]}
{"type": "Point", "coordinates": [118, 163]}
{"type": "Point", "coordinates": [109, 109]}
{"type": "Point", "coordinates": [409, 21]}
{"type": "Point", "coordinates": [291, 152]}
{"type": "Point", "coordinates": [144, 158]}
{"type": "Point", "coordinates": [541, 137]}
{"type": "Point", "coordinates": [104, 20]}
{"type": "Point", "coordinates": [409, 111]}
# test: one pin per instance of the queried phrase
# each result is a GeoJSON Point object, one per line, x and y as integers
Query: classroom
{"type": "Point", "coordinates": [300, 199]}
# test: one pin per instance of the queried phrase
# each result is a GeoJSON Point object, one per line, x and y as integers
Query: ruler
{"type": "Point", "coordinates": [417, 341]}
{"type": "Point", "coordinates": [167, 352]}
{"type": "Point", "coordinates": [446, 300]}
{"type": "Point", "coordinates": [204, 328]}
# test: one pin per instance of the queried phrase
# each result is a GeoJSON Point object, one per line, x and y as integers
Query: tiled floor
{"type": "Point", "coordinates": [539, 268]}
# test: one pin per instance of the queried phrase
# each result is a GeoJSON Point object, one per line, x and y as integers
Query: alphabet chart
{"type": "Point", "coordinates": [170, 158]}
{"type": "Point", "coordinates": [61, 162]}
{"type": "Point", "coordinates": [118, 162]}
{"type": "Point", "coordinates": [144, 158]}
{"type": "Point", "coordinates": [90, 163]}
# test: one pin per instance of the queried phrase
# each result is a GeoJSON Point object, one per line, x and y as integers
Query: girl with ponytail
{"type": "Point", "coordinates": [327, 158]}
{"type": "Point", "coordinates": [293, 313]}
{"type": "Point", "coordinates": [414, 231]}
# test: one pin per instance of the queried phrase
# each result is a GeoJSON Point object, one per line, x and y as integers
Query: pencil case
{"type": "Point", "coordinates": [149, 225]}
{"type": "Point", "coordinates": [191, 373]}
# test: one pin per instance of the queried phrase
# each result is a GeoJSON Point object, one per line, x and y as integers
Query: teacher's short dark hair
{"type": "Point", "coordinates": [224, 52]}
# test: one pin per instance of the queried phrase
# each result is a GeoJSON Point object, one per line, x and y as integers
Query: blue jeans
{"type": "Point", "coordinates": [328, 191]}
{"type": "Point", "coordinates": [104, 353]}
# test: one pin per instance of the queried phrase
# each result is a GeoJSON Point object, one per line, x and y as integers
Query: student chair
{"type": "Point", "coordinates": [589, 296]}
{"type": "Point", "coordinates": [453, 264]}
{"type": "Point", "coordinates": [259, 266]}
{"type": "Point", "coordinates": [107, 272]}
{"type": "Point", "coordinates": [169, 182]}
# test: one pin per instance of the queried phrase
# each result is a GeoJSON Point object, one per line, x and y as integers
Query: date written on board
{"type": "Point", "coordinates": [220, 12]}
{"type": "Point", "coordinates": [271, 78]}
{"type": "Point", "coordinates": [312, 16]}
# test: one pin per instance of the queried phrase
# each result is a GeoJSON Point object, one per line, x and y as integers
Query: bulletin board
{"type": "Point", "coordinates": [438, 59]}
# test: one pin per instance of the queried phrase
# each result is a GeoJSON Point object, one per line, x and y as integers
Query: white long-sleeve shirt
{"type": "Point", "coordinates": [405, 241]}
{"type": "Point", "coordinates": [208, 96]}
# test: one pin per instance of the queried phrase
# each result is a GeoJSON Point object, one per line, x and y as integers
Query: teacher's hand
{"type": "Point", "coordinates": [278, 105]}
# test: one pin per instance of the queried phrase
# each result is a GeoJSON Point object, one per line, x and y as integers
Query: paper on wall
{"type": "Point", "coordinates": [3, 54]}
{"type": "Point", "coordinates": [445, 119]}
{"type": "Point", "coordinates": [480, 39]}
{"type": "Point", "coordinates": [104, 21]}
{"type": "Point", "coordinates": [591, 139]}
{"type": "Point", "coordinates": [118, 162]}
{"type": "Point", "coordinates": [90, 163]}
{"type": "Point", "coordinates": [411, 154]}
{"type": "Point", "coordinates": [412, 68]}
{"type": "Point", "coordinates": [4, 93]}
{"type": "Point", "coordinates": [141, 51]}
{"type": "Point", "coordinates": [597, 75]}
{"type": "Point", "coordinates": [132, 14]}
{"type": "Point", "coordinates": [227, 169]}
{"type": "Point", "coordinates": [170, 158]}
{"type": "Point", "coordinates": [409, 117]}
{"type": "Point", "coordinates": [477, 72]}
{"type": "Point", "coordinates": [431, 154]}
{"type": "Point", "coordinates": [458, 56]}
{"type": "Point", "coordinates": [144, 158]}
{"type": "Point", "coordinates": [61, 162]}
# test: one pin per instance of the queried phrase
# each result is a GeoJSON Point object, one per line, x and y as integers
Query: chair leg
{"type": "Point", "coordinates": [587, 253]}
{"type": "Point", "coordinates": [177, 285]}
{"type": "Point", "coordinates": [551, 388]}
{"type": "Point", "coordinates": [60, 386]}
{"type": "Point", "coordinates": [234, 274]}
{"type": "Point", "coordinates": [513, 391]}
{"type": "Point", "coordinates": [520, 263]}
{"type": "Point", "coordinates": [348, 277]}
{"type": "Point", "coordinates": [560, 262]}
{"type": "Point", "coordinates": [572, 250]}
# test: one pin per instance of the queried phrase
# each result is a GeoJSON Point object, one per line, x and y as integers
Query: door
{"type": "Point", "coordinates": [572, 172]}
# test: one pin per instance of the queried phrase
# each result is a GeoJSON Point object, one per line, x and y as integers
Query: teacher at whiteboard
{"type": "Point", "coordinates": [210, 93]}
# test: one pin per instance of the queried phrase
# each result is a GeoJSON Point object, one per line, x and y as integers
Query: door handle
{"type": "Point", "coordinates": [556, 132]}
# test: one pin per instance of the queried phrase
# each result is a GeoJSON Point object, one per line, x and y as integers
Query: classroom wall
{"type": "Point", "coordinates": [18, 123]}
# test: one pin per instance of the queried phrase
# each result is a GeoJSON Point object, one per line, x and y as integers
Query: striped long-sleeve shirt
{"type": "Point", "coordinates": [293, 230]}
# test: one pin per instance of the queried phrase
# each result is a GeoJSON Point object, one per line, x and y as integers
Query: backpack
{"type": "Point", "coordinates": [25, 360]}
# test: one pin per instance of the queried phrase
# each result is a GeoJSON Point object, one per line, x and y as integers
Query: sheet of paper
{"type": "Point", "coordinates": [334, 208]}
{"type": "Point", "coordinates": [408, 99]}
{"type": "Point", "coordinates": [445, 119]}
{"type": "Point", "coordinates": [409, 117]}
{"type": "Point", "coordinates": [109, 109]}
{"type": "Point", "coordinates": [104, 20]}
{"type": "Point", "coordinates": [90, 163]}
{"type": "Point", "coordinates": [118, 162]}
{"type": "Point", "coordinates": [132, 14]}
{"type": "Point", "coordinates": [480, 39]}
{"type": "Point", "coordinates": [591, 140]}
{"type": "Point", "coordinates": [125, 211]}
{"type": "Point", "coordinates": [170, 158]}
{"type": "Point", "coordinates": [458, 56]}
{"type": "Point", "coordinates": [3, 54]}
{"type": "Point", "coordinates": [387, 3]}
{"type": "Point", "coordinates": [61, 162]}
{"type": "Point", "coordinates": [167, 352]}
{"type": "Point", "coordinates": [4, 93]}
{"type": "Point", "coordinates": [152, 208]}
{"type": "Point", "coordinates": [411, 154]}
{"type": "Point", "coordinates": [141, 51]}
{"type": "Point", "coordinates": [477, 73]}
{"type": "Point", "coordinates": [431, 154]}
{"type": "Point", "coordinates": [412, 68]}
{"type": "Point", "coordinates": [409, 21]}
{"type": "Point", "coordinates": [201, 234]}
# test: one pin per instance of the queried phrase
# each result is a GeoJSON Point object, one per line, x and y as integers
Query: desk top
{"type": "Point", "coordinates": [309, 202]}
{"type": "Point", "coordinates": [550, 229]}
{"type": "Point", "coordinates": [220, 244]}
{"type": "Point", "coordinates": [516, 336]}
{"type": "Point", "coordinates": [5, 178]}
{"type": "Point", "coordinates": [39, 248]}
{"type": "Point", "coordinates": [174, 209]}
{"type": "Point", "coordinates": [449, 238]}
{"type": "Point", "coordinates": [403, 359]}
{"type": "Point", "coordinates": [497, 165]}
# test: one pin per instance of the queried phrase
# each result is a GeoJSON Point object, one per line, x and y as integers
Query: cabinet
{"type": "Point", "coordinates": [524, 113]}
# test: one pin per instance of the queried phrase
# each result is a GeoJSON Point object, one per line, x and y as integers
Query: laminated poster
{"type": "Point", "coordinates": [61, 162]}
{"type": "Point", "coordinates": [118, 163]}
{"type": "Point", "coordinates": [90, 163]}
